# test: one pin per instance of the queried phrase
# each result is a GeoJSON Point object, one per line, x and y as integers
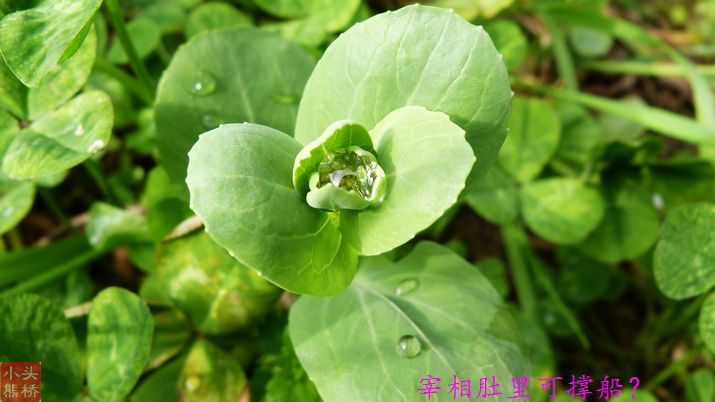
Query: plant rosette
{"type": "Point", "coordinates": [301, 210]}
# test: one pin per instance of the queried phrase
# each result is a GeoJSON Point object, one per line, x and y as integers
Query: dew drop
{"type": "Point", "coordinates": [79, 131]}
{"type": "Point", "coordinates": [406, 286]}
{"type": "Point", "coordinates": [95, 146]}
{"type": "Point", "coordinates": [192, 383]}
{"type": "Point", "coordinates": [8, 211]}
{"type": "Point", "coordinates": [658, 201]}
{"type": "Point", "coordinates": [211, 121]}
{"type": "Point", "coordinates": [352, 169]}
{"type": "Point", "coordinates": [408, 346]}
{"type": "Point", "coordinates": [205, 84]}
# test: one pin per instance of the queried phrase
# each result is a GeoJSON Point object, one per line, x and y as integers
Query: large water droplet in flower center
{"type": "Point", "coordinates": [352, 169]}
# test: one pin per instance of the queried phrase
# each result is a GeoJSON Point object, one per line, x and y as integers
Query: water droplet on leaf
{"type": "Point", "coordinates": [79, 131]}
{"type": "Point", "coordinates": [352, 169]}
{"type": "Point", "coordinates": [211, 121]}
{"type": "Point", "coordinates": [95, 146]}
{"type": "Point", "coordinates": [658, 201]}
{"type": "Point", "coordinates": [192, 383]}
{"type": "Point", "coordinates": [408, 346]}
{"type": "Point", "coordinates": [8, 211]}
{"type": "Point", "coordinates": [205, 84]}
{"type": "Point", "coordinates": [406, 286]}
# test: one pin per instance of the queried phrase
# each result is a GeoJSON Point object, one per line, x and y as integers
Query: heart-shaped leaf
{"type": "Point", "coordinates": [239, 176]}
{"type": "Point", "coordinates": [534, 132]}
{"type": "Point", "coordinates": [561, 210]}
{"type": "Point", "coordinates": [422, 56]}
{"type": "Point", "coordinates": [432, 313]}
{"type": "Point", "coordinates": [33, 328]}
{"type": "Point", "coordinates": [61, 139]}
{"type": "Point", "coordinates": [119, 338]}
{"type": "Point", "coordinates": [34, 41]}
{"type": "Point", "coordinates": [232, 76]}
{"type": "Point", "coordinates": [684, 260]}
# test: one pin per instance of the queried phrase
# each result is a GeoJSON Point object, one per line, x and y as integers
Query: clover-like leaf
{"type": "Point", "coordinates": [426, 160]}
{"type": "Point", "coordinates": [561, 210]}
{"type": "Point", "coordinates": [218, 293]}
{"type": "Point", "coordinates": [61, 139]}
{"type": "Point", "coordinates": [214, 15]}
{"type": "Point", "coordinates": [239, 177]}
{"type": "Point", "coordinates": [509, 40]}
{"type": "Point", "coordinates": [16, 196]}
{"type": "Point", "coordinates": [580, 133]}
{"type": "Point", "coordinates": [495, 197]}
{"type": "Point", "coordinates": [109, 226]}
{"type": "Point", "coordinates": [329, 15]}
{"type": "Point", "coordinates": [231, 76]}
{"type": "Point", "coordinates": [33, 328]}
{"type": "Point", "coordinates": [707, 322]}
{"type": "Point", "coordinates": [34, 41]}
{"type": "Point", "coordinates": [684, 260]}
{"type": "Point", "coordinates": [421, 56]}
{"type": "Point", "coordinates": [403, 321]}
{"type": "Point", "coordinates": [534, 132]}
{"type": "Point", "coordinates": [471, 9]}
{"type": "Point", "coordinates": [145, 35]}
{"type": "Point", "coordinates": [628, 228]}
{"type": "Point", "coordinates": [211, 375]}
{"type": "Point", "coordinates": [119, 338]}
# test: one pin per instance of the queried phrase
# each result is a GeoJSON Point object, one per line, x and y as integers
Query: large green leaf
{"type": "Point", "coordinates": [426, 160]}
{"type": "Point", "coordinates": [231, 76]}
{"type": "Point", "coordinates": [432, 313]}
{"type": "Point", "coordinates": [495, 197]}
{"type": "Point", "coordinates": [218, 293]}
{"type": "Point", "coordinates": [119, 338]}
{"type": "Point", "coordinates": [34, 41]}
{"type": "Point", "coordinates": [420, 56]}
{"type": "Point", "coordinates": [239, 177]}
{"type": "Point", "coordinates": [61, 139]}
{"type": "Point", "coordinates": [33, 328]}
{"type": "Point", "coordinates": [534, 132]}
{"type": "Point", "coordinates": [561, 210]}
{"type": "Point", "coordinates": [684, 260]}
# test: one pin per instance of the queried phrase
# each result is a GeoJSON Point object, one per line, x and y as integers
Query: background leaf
{"type": "Point", "coordinates": [684, 260]}
{"type": "Point", "coordinates": [231, 76]}
{"type": "Point", "coordinates": [534, 133]}
{"type": "Point", "coordinates": [61, 139]}
{"type": "Point", "coordinates": [561, 210]}
{"type": "Point", "coordinates": [34, 41]}
{"type": "Point", "coordinates": [495, 197]}
{"type": "Point", "coordinates": [214, 15]}
{"type": "Point", "coordinates": [119, 338]}
{"type": "Point", "coordinates": [431, 295]}
{"type": "Point", "coordinates": [210, 375]}
{"type": "Point", "coordinates": [33, 328]}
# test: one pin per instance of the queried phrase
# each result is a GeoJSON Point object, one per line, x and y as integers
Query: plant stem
{"type": "Point", "coordinates": [514, 243]}
{"type": "Point", "coordinates": [115, 15]}
{"type": "Point", "coordinates": [56, 210]}
{"type": "Point", "coordinates": [673, 368]}
{"type": "Point", "coordinates": [644, 68]}
{"type": "Point", "coordinates": [13, 236]}
{"type": "Point", "coordinates": [564, 61]}
{"type": "Point", "coordinates": [54, 273]}
{"type": "Point", "coordinates": [132, 84]}
{"type": "Point", "coordinates": [94, 171]}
